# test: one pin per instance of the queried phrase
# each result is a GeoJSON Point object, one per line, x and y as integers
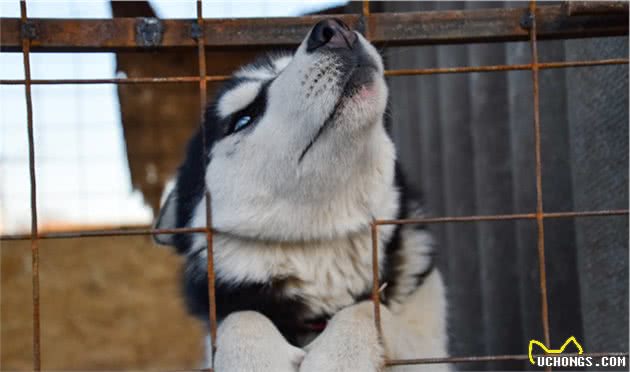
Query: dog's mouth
{"type": "Point", "coordinates": [359, 80]}
{"type": "Point", "coordinates": [361, 76]}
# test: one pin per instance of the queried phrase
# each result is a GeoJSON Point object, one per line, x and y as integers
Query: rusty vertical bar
{"type": "Point", "coordinates": [201, 52]}
{"type": "Point", "coordinates": [366, 17]}
{"type": "Point", "coordinates": [544, 307]}
{"type": "Point", "coordinates": [26, 48]}
{"type": "Point", "coordinates": [212, 316]}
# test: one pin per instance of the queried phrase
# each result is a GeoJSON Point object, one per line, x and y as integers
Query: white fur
{"type": "Point", "coordinates": [413, 329]}
{"type": "Point", "coordinates": [417, 251]}
{"type": "Point", "coordinates": [251, 339]}
{"type": "Point", "coordinates": [237, 98]}
{"type": "Point", "coordinates": [330, 273]}
{"type": "Point", "coordinates": [349, 343]}
{"type": "Point", "coordinates": [262, 73]}
{"type": "Point", "coordinates": [417, 328]}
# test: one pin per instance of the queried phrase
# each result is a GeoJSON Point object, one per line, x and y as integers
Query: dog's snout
{"type": "Point", "coordinates": [331, 33]}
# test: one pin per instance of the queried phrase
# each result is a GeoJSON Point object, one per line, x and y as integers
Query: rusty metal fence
{"type": "Point", "coordinates": [575, 19]}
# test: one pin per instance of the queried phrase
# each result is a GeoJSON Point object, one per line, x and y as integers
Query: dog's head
{"type": "Point", "coordinates": [296, 145]}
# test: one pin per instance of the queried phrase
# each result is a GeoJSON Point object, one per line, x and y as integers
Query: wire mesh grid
{"type": "Point", "coordinates": [529, 23]}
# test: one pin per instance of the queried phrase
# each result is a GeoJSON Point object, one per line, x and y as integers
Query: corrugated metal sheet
{"type": "Point", "coordinates": [467, 140]}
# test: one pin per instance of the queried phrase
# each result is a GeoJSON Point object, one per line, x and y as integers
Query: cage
{"type": "Point", "coordinates": [467, 80]}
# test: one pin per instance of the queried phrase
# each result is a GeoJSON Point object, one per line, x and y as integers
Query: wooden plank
{"type": "Point", "coordinates": [412, 28]}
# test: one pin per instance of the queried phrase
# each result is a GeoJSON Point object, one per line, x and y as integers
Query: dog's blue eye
{"type": "Point", "coordinates": [242, 122]}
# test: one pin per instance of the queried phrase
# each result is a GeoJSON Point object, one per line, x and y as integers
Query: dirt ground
{"type": "Point", "coordinates": [106, 304]}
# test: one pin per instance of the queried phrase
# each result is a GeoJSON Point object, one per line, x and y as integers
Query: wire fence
{"type": "Point", "coordinates": [607, 18]}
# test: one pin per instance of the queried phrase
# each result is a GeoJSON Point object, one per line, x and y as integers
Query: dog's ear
{"type": "Point", "coordinates": [167, 218]}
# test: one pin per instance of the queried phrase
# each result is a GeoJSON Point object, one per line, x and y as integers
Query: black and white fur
{"type": "Point", "coordinates": [293, 195]}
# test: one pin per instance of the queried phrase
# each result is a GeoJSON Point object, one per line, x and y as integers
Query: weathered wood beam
{"type": "Point", "coordinates": [413, 28]}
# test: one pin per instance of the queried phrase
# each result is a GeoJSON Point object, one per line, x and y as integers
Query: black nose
{"type": "Point", "coordinates": [331, 33]}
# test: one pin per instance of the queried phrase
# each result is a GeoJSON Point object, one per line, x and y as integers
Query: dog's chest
{"type": "Point", "coordinates": [325, 276]}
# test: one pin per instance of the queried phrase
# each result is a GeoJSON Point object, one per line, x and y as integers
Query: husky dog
{"type": "Point", "coordinates": [298, 164]}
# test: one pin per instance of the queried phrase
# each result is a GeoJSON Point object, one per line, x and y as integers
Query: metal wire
{"type": "Point", "coordinates": [489, 358]}
{"type": "Point", "coordinates": [129, 80]}
{"type": "Point", "coordinates": [544, 307]}
{"type": "Point", "coordinates": [212, 313]}
{"type": "Point", "coordinates": [144, 230]}
{"type": "Point", "coordinates": [202, 79]}
{"type": "Point", "coordinates": [26, 47]}
{"type": "Point", "coordinates": [503, 217]}
{"type": "Point", "coordinates": [393, 73]}
{"type": "Point", "coordinates": [498, 68]}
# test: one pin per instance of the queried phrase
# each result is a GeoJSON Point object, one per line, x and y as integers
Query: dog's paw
{"type": "Point", "coordinates": [248, 341]}
{"type": "Point", "coordinates": [349, 343]}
